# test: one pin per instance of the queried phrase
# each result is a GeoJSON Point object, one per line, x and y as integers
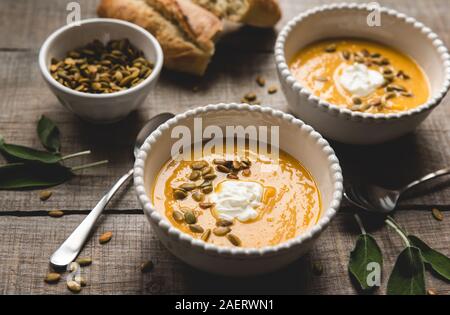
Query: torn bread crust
{"type": "Point", "coordinates": [260, 13]}
{"type": "Point", "coordinates": [187, 41]}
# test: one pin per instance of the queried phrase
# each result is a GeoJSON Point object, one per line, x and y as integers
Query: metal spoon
{"type": "Point", "coordinates": [381, 200]}
{"type": "Point", "coordinates": [70, 249]}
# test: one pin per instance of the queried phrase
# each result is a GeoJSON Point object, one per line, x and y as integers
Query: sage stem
{"type": "Point", "coordinates": [392, 224]}
{"type": "Point", "coordinates": [70, 156]}
{"type": "Point", "coordinates": [82, 167]}
{"type": "Point", "coordinates": [361, 226]}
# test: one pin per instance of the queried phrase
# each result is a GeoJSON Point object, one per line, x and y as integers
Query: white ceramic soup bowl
{"type": "Point", "coordinates": [100, 108]}
{"type": "Point", "coordinates": [295, 138]}
{"type": "Point", "coordinates": [350, 20]}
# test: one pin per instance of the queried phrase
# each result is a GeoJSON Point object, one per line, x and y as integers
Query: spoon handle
{"type": "Point", "coordinates": [438, 173]}
{"type": "Point", "coordinates": [69, 250]}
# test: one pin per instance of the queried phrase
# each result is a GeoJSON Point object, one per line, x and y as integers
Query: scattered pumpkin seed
{"type": "Point", "coordinates": [84, 261]}
{"type": "Point", "coordinates": [272, 90]}
{"type": "Point", "coordinates": [80, 280]}
{"type": "Point", "coordinates": [236, 165]}
{"type": "Point", "coordinates": [205, 183]}
{"type": "Point", "coordinates": [45, 195]}
{"type": "Point", "coordinates": [345, 54]}
{"type": "Point", "coordinates": [73, 286]}
{"type": "Point", "coordinates": [250, 97]}
{"type": "Point", "coordinates": [147, 266]}
{"type": "Point", "coordinates": [232, 176]}
{"type": "Point", "coordinates": [198, 196]}
{"type": "Point", "coordinates": [55, 213]}
{"type": "Point", "coordinates": [234, 239]}
{"type": "Point", "coordinates": [205, 236]}
{"type": "Point", "coordinates": [375, 102]}
{"type": "Point", "coordinates": [206, 170]}
{"type": "Point", "coordinates": [406, 94]}
{"type": "Point", "coordinates": [105, 237]}
{"type": "Point", "coordinates": [219, 161]}
{"type": "Point", "coordinates": [317, 268]}
{"type": "Point", "coordinates": [357, 100]}
{"type": "Point", "coordinates": [179, 194]}
{"type": "Point", "coordinates": [210, 176]}
{"type": "Point", "coordinates": [260, 81]}
{"type": "Point", "coordinates": [196, 228]}
{"type": "Point", "coordinates": [432, 291]}
{"type": "Point", "coordinates": [52, 277]}
{"type": "Point", "coordinates": [437, 214]}
{"type": "Point", "coordinates": [190, 217]}
{"type": "Point", "coordinates": [221, 230]}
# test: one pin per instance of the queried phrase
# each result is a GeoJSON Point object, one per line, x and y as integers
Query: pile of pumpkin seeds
{"type": "Point", "coordinates": [98, 68]}
{"type": "Point", "coordinates": [205, 173]}
{"type": "Point", "coordinates": [391, 76]}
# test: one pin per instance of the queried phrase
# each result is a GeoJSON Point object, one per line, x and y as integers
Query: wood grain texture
{"type": "Point", "coordinates": [28, 236]}
{"type": "Point", "coordinates": [27, 243]}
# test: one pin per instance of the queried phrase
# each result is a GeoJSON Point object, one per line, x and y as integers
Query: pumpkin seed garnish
{"type": "Point", "coordinates": [402, 75]}
{"type": "Point", "coordinates": [232, 176]}
{"type": "Point", "coordinates": [432, 291]}
{"type": "Point", "coordinates": [219, 161]}
{"type": "Point", "coordinates": [195, 175]}
{"type": "Point", "coordinates": [206, 205]}
{"type": "Point", "coordinates": [375, 102]}
{"type": "Point", "coordinates": [221, 230]}
{"type": "Point", "coordinates": [205, 236]}
{"type": "Point", "coordinates": [45, 195]}
{"type": "Point", "coordinates": [223, 168]}
{"type": "Point", "coordinates": [80, 280]}
{"type": "Point", "coordinates": [179, 194]}
{"type": "Point", "coordinates": [178, 216]}
{"type": "Point", "coordinates": [236, 165]}
{"type": "Point", "coordinates": [196, 228]}
{"type": "Point", "coordinates": [198, 165]}
{"type": "Point", "coordinates": [356, 100]}
{"type": "Point", "coordinates": [437, 214]}
{"type": "Point", "coordinates": [105, 237]}
{"type": "Point", "coordinates": [330, 48]}
{"type": "Point", "coordinates": [198, 196]}
{"type": "Point", "coordinates": [55, 213]}
{"type": "Point", "coordinates": [84, 261]}
{"type": "Point", "coordinates": [147, 266]}
{"type": "Point", "coordinates": [206, 170]}
{"type": "Point", "coordinates": [207, 189]}
{"type": "Point", "coordinates": [190, 217]}
{"type": "Point", "coordinates": [73, 286]}
{"type": "Point", "coordinates": [246, 172]}
{"type": "Point", "coordinates": [234, 239]}
{"type": "Point", "coordinates": [210, 176]}
{"type": "Point", "coordinates": [187, 186]}
{"type": "Point", "coordinates": [345, 54]}
{"type": "Point", "coordinates": [224, 222]}
{"type": "Point", "coordinates": [52, 277]}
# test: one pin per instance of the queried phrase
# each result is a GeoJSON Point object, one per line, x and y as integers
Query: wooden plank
{"type": "Point", "coordinates": [32, 22]}
{"type": "Point", "coordinates": [232, 75]}
{"type": "Point", "coordinates": [27, 243]}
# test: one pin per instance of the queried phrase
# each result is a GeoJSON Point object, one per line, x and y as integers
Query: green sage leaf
{"type": "Point", "coordinates": [366, 251]}
{"type": "Point", "coordinates": [48, 133]}
{"type": "Point", "coordinates": [17, 176]}
{"type": "Point", "coordinates": [407, 277]}
{"type": "Point", "coordinates": [436, 260]}
{"type": "Point", "coordinates": [13, 152]}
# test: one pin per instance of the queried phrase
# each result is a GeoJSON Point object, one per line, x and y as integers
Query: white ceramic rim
{"type": "Point", "coordinates": [158, 63]}
{"type": "Point", "coordinates": [345, 113]}
{"type": "Point", "coordinates": [333, 167]}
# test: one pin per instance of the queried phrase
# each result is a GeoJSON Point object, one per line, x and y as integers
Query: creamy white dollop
{"type": "Point", "coordinates": [359, 80]}
{"type": "Point", "coordinates": [238, 199]}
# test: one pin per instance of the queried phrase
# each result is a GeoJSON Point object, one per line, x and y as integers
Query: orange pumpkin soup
{"type": "Point", "coordinates": [242, 201]}
{"type": "Point", "coordinates": [361, 75]}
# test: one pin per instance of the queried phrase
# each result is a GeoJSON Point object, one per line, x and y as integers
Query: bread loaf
{"type": "Point", "coordinates": [185, 31]}
{"type": "Point", "coordinates": [260, 13]}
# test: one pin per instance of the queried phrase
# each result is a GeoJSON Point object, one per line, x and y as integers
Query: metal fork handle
{"type": "Point", "coordinates": [70, 249]}
{"type": "Point", "coordinates": [426, 178]}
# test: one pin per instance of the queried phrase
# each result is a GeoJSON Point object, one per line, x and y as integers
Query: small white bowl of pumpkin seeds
{"type": "Point", "coordinates": [101, 69]}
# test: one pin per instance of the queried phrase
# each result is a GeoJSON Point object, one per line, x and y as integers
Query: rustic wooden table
{"type": "Point", "coordinates": [28, 236]}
